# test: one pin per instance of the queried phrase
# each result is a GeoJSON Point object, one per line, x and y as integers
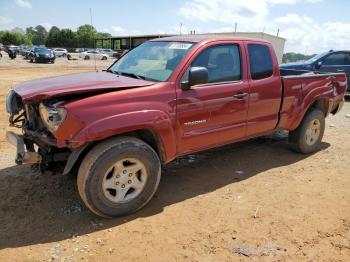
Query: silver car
{"type": "Point", "coordinates": [60, 52]}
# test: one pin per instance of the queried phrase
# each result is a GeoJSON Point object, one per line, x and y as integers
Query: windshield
{"type": "Point", "coordinates": [154, 61]}
{"type": "Point", "coordinates": [316, 57]}
{"type": "Point", "coordinates": [41, 50]}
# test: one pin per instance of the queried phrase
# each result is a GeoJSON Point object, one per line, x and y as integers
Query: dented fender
{"type": "Point", "coordinates": [156, 121]}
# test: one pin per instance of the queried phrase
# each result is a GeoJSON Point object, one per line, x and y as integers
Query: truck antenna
{"type": "Point", "coordinates": [93, 38]}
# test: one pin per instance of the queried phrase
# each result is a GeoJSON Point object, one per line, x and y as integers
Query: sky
{"type": "Point", "coordinates": [309, 26]}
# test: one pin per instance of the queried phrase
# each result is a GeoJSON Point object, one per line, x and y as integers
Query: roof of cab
{"type": "Point", "coordinates": [202, 38]}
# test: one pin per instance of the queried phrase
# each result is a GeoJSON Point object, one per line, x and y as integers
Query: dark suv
{"type": "Point", "coordinates": [331, 61]}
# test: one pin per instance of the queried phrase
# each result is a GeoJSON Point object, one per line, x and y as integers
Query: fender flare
{"type": "Point", "coordinates": [156, 121]}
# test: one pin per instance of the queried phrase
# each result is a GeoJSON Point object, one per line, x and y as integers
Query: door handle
{"type": "Point", "coordinates": [240, 95]}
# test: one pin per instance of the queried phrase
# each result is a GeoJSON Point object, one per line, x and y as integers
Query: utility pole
{"type": "Point", "coordinates": [180, 28]}
{"type": "Point", "coordinates": [235, 27]}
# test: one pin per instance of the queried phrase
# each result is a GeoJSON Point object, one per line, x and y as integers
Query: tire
{"type": "Point", "coordinates": [307, 137]}
{"type": "Point", "coordinates": [97, 166]}
{"type": "Point", "coordinates": [87, 57]}
{"type": "Point", "coordinates": [104, 57]}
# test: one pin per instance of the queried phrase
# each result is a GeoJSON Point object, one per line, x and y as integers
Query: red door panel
{"type": "Point", "coordinates": [211, 115]}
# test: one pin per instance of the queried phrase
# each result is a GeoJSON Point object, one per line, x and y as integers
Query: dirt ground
{"type": "Point", "coordinates": [256, 198]}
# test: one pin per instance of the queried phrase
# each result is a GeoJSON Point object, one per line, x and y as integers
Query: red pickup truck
{"type": "Point", "coordinates": [166, 98]}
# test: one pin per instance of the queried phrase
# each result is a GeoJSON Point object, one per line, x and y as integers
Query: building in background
{"type": "Point", "coordinates": [129, 42]}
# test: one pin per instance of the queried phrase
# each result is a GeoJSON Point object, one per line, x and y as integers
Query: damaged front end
{"type": "Point", "coordinates": [36, 145]}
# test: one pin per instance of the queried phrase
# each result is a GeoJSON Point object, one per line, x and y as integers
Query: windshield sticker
{"type": "Point", "coordinates": [180, 46]}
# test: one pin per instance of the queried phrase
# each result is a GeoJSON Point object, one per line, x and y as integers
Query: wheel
{"type": "Point", "coordinates": [87, 57]}
{"type": "Point", "coordinates": [118, 176]}
{"type": "Point", "coordinates": [104, 57]}
{"type": "Point", "coordinates": [307, 137]}
{"type": "Point", "coordinates": [64, 55]}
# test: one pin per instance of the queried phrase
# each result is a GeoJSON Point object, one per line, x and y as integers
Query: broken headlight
{"type": "Point", "coordinates": [52, 116]}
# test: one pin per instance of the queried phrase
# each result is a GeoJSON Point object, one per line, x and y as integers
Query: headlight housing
{"type": "Point", "coordinates": [52, 116]}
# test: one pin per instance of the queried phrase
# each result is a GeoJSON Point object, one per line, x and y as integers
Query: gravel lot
{"type": "Point", "coordinates": [255, 198]}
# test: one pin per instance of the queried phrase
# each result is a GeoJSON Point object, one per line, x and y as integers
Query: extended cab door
{"type": "Point", "coordinates": [265, 89]}
{"type": "Point", "coordinates": [214, 113]}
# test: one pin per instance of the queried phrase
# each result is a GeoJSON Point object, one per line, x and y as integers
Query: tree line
{"type": "Point", "coordinates": [83, 37]}
{"type": "Point", "coordinates": [295, 57]}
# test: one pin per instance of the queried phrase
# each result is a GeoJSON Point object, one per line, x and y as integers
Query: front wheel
{"type": "Point", "coordinates": [307, 137]}
{"type": "Point", "coordinates": [119, 176]}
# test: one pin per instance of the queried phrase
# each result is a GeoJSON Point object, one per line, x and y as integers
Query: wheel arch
{"type": "Point", "coordinates": [324, 104]}
{"type": "Point", "coordinates": [147, 135]}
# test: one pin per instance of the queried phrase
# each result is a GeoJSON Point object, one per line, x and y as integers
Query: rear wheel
{"type": "Point", "coordinates": [87, 57]}
{"type": "Point", "coordinates": [307, 137]}
{"type": "Point", "coordinates": [119, 176]}
{"type": "Point", "coordinates": [104, 57]}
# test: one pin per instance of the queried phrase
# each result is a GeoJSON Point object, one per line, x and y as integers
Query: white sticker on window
{"type": "Point", "coordinates": [180, 46]}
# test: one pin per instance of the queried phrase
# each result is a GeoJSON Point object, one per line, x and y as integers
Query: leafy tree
{"type": "Point", "coordinates": [295, 57]}
{"type": "Point", "coordinates": [52, 38]}
{"type": "Point", "coordinates": [56, 37]}
{"type": "Point", "coordinates": [39, 35]}
{"type": "Point", "coordinates": [9, 38]}
{"type": "Point", "coordinates": [68, 38]}
{"type": "Point", "coordinates": [86, 35]}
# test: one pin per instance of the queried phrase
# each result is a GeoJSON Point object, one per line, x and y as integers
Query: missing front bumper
{"type": "Point", "coordinates": [22, 156]}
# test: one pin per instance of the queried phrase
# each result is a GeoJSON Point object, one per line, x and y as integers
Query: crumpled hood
{"type": "Point", "coordinates": [45, 88]}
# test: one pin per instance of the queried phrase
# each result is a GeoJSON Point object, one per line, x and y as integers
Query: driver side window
{"type": "Point", "coordinates": [335, 59]}
{"type": "Point", "coordinates": [222, 61]}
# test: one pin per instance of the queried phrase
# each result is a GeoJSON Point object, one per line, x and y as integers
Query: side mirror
{"type": "Point", "coordinates": [318, 65]}
{"type": "Point", "coordinates": [196, 76]}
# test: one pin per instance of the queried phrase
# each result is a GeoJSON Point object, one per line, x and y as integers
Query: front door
{"type": "Point", "coordinates": [214, 113]}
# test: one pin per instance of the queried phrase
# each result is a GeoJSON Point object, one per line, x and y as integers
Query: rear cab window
{"type": "Point", "coordinates": [260, 61]}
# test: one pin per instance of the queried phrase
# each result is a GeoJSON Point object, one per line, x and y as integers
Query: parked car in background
{"type": "Point", "coordinates": [24, 51]}
{"type": "Point", "coordinates": [108, 52]}
{"type": "Point", "coordinates": [28, 53]}
{"type": "Point", "coordinates": [12, 51]}
{"type": "Point", "coordinates": [42, 54]}
{"type": "Point", "coordinates": [164, 99]}
{"type": "Point", "coordinates": [331, 61]}
{"type": "Point", "coordinates": [120, 53]}
{"type": "Point", "coordinates": [60, 52]}
{"type": "Point", "coordinates": [93, 54]}
{"type": "Point", "coordinates": [79, 50]}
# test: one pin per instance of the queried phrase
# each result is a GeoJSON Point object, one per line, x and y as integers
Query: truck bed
{"type": "Point", "coordinates": [302, 88]}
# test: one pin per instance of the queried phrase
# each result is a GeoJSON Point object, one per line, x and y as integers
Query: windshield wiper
{"type": "Point", "coordinates": [130, 75]}
{"type": "Point", "coordinates": [110, 71]}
